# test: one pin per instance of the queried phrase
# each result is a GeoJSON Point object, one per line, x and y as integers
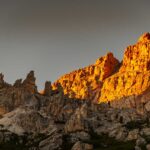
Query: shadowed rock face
{"type": "Point", "coordinates": [48, 88]}
{"type": "Point", "coordinates": [18, 94]}
{"type": "Point", "coordinates": [52, 121]}
{"type": "Point", "coordinates": [56, 122]}
{"type": "Point", "coordinates": [29, 82]}
{"type": "Point", "coordinates": [1, 80]}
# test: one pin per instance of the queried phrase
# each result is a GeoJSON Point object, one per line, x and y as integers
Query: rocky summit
{"type": "Point", "coordinates": [85, 83]}
{"type": "Point", "coordinates": [108, 79]}
{"type": "Point", "coordinates": [105, 106]}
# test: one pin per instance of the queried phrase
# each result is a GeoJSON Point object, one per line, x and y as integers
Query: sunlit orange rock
{"type": "Point", "coordinates": [83, 82]}
{"type": "Point", "coordinates": [133, 77]}
{"type": "Point", "coordinates": [107, 79]}
{"type": "Point", "coordinates": [137, 57]}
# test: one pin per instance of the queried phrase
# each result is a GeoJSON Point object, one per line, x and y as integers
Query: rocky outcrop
{"type": "Point", "coordinates": [64, 117]}
{"type": "Point", "coordinates": [18, 83]}
{"type": "Point", "coordinates": [77, 121]}
{"type": "Point", "coordinates": [52, 121]}
{"type": "Point", "coordinates": [21, 93]}
{"type": "Point", "coordinates": [133, 77]}
{"type": "Point", "coordinates": [3, 84]}
{"type": "Point", "coordinates": [1, 80]}
{"type": "Point", "coordinates": [82, 146]}
{"type": "Point", "coordinates": [48, 88]}
{"type": "Point", "coordinates": [109, 80]}
{"type": "Point", "coordinates": [137, 57]}
{"type": "Point", "coordinates": [83, 83]}
{"type": "Point", "coordinates": [29, 82]}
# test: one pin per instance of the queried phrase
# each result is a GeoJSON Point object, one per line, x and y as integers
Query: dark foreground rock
{"type": "Point", "coordinates": [52, 121]}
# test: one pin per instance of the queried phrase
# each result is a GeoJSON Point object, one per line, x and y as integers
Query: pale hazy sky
{"type": "Point", "coordinates": [54, 37]}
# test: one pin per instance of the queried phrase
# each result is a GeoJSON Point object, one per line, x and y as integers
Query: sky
{"type": "Point", "coordinates": [54, 37]}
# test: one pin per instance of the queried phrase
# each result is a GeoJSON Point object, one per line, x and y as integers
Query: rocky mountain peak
{"type": "Point", "coordinates": [18, 83]}
{"type": "Point", "coordinates": [107, 65]}
{"type": "Point", "coordinates": [47, 89]}
{"type": "Point", "coordinates": [107, 57]}
{"type": "Point", "coordinates": [137, 56]}
{"type": "Point", "coordinates": [51, 120]}
{"type": "Point", "coordinates": [82, 83]}
{"type": "Point", "coordinates": [1, 80]}
{"type": "Point", "coordinates": [3, 84]}
{"type": "Point", "coordinates": [108, 79]}
{"type": "Point", "coordinates": [30, 77]}
{"type": "Point", "coordinates": [145, 37]}
{"type": "Point", "coordinates": [29, 82]}
{"type": "Point", "coordinates": [133, 77]}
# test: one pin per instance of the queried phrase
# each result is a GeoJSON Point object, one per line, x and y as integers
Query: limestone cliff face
{"type": "Point", "coordinates": [133, 77]}
{"type": "Point", "coordinates": [137, 57]}
{"type": "Point", "coordinates": [107, 79]}
{"type": "Point", "coordinates": [83, 83]}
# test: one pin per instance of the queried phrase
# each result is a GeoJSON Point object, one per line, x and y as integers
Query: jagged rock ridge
{"type": "Point", "coordinates": [50, 120]}
{"type": "Point", "coordinates": [133, 77]}
{"type": "Point", "coordinates": [108, 79]}
{"type": "Point", "coordinates": [84, 83]}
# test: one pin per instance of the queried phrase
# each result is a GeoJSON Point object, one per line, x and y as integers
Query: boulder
{"type": "Point", "coordinates": [82, 146]}
{"type": "Point", "coordinates": [133, 135]}
{"type": "Point", "coordinates": [148, 146]}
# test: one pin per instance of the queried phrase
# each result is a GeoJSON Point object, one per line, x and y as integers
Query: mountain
{"type": "Point", "coordinates": [85, 83]}
{"type": "Point", "coordinates": [108, 79]}
{"type": "Point", "coordinates": [105, 106]}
